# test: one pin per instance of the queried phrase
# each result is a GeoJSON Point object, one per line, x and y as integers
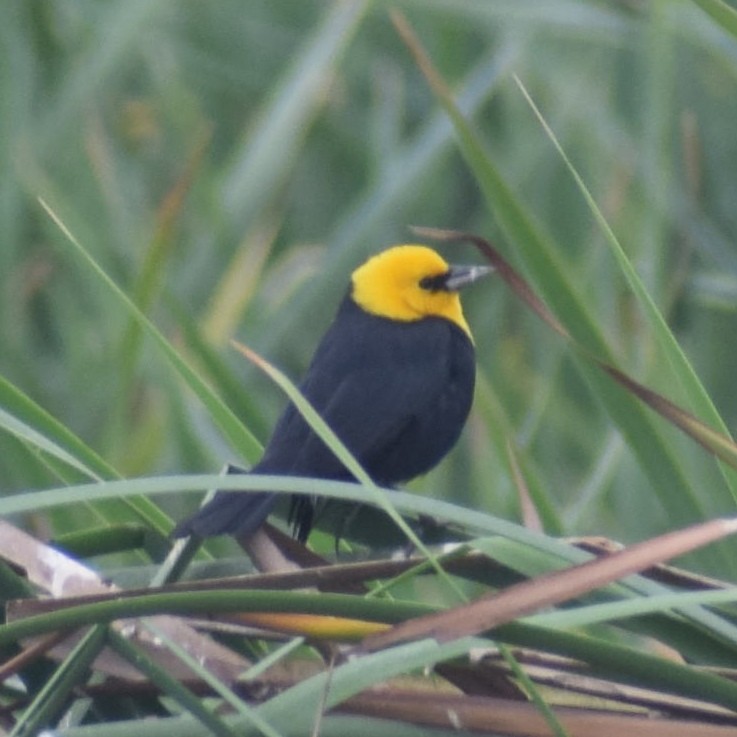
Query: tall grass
{"type": "Point", "coordinates": [191, 159]}
{"type": "Point", "coordinates": [228, 164]}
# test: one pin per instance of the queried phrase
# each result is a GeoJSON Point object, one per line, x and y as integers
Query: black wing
{"type": "Point", "coordinates": [397, 394]}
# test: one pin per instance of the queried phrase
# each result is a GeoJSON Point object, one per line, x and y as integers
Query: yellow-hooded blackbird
{"type": "Point", "coordinates": [393, 377]}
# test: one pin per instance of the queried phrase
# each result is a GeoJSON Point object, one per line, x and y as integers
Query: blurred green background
{"type": "Point", "coordinates": [230, 163]}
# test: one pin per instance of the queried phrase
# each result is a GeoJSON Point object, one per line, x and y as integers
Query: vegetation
{"type": "Point", "coordinates": [177, 175]}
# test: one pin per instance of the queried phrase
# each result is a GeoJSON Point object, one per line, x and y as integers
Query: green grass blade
{"type": "Point", "coordinates": [33, 425]}
{"type": "Point", "coordinates": [555, 553]}
{"type": "Point", "coordinates": [239, 436]}
{"type": "Point", "coordinates": [30, 422]}
{"type": "Point", "coordinates": [722, 13]}
{"type": "Point", "coordinates": [597, 613]}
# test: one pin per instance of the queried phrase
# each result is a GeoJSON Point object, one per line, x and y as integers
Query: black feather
{"type": "Point", "coordinates": [396, 393]}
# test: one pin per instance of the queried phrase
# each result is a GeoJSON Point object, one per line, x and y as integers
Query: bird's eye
{"type": "Point", "coordinates": [434, 283]}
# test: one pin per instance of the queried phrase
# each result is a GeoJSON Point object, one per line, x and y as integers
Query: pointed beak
{"type": "Point", "coordinates": [461, 276]}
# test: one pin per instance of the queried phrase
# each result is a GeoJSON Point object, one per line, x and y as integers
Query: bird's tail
{"type": "Point", "coordinates": [229, 513]}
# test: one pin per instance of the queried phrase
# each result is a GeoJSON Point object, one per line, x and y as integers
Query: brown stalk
{"type": "Point", "coordinates": [519, 719]}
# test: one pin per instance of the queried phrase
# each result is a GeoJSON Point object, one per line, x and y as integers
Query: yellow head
{"type": "Point", "coordinates": [410, 282]}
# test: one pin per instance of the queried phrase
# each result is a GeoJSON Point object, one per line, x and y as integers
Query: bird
{"type": "Point", "coordinates": [393, 377]}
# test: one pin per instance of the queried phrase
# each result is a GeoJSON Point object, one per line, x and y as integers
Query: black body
{"type": "Point", "coordinates": [396, 393]}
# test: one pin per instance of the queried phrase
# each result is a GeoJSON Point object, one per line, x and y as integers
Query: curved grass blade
{"type": "Point", "coordinates": [722, 13]}
{"type": "Point", "coordinates": [34, 425]}
{"type": "Point", "coordinates": [557, 552]}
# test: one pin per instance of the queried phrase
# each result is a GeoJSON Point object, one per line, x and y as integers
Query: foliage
{"type": "Point", "coordinates": [226, 166]}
